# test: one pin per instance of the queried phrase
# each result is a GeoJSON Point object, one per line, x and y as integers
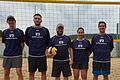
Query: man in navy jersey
{"type": "Point", "coordinates": [102, 45]}
{"type": "Point", "coordinates": [81, 51]}
{"type": "Point", "coordinates": [61, 60]}
{"type": "Point", "coordinates": [13, 38]}
{"type": "Point", "coordinates": [37, 39]}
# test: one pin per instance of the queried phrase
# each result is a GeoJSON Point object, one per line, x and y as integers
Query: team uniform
{"type": "Point", "coordinates": [102, 46]}
{"type": "Point", "coordinates": [61, 59]}
{"type": "Point", "coordinates": [81, 52]}
{"type": "Point", "coordinates": [12, 56]}
{"type": "Point", "coordinates": [37, 40]}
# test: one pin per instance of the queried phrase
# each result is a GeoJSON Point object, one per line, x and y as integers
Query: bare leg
{"type": "Point", "coordinates": [84, 74]}
{"type": "Point", "coordinates": [95, 77]}
{"type": "Point", "coordinates": [19, 73]}
{"type": "Point", "coordinates": [76, 74]}
{"type": "Point", "coordinates": [57, 78]}
{"type": "Point", "coordinates": [105, 77]}
{"type": "Point", "coordinates": [31, 75]}
{"type": "Point", "coordinates": [65, 78]}
{"type": "Point", "coordinates": [6, 73]}
{"type": "Point", "coordinates": [43, 75]}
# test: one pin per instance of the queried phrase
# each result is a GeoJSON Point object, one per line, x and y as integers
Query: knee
{"type": "Point", "coordinates": [84, 76]}
{"type": "Point", "coordinates": [76, 76]}
{"type": "Point", "coordinates": [6, 72]}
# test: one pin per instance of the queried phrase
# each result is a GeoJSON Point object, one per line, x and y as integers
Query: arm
{"type": "Point", "coordinates": [26, 37]}
{"type": "Point", "coordinates": [89, 48]}
{"type": "Point", "coordinates": [22, 40]}
{"type": "Point", "coordinates": [111, 44]}
{"type": "Point", "coordinates": [47, 37]}
{"type": "Point", "coordinates": [47, 53]}
{"type": "Point", "coordinates": [22, 46]}
{"type": "Point", "coordinates": [71, 55]}
{"type": "Point", "coordinates": [3, 38]}
{"type": "Point", "coordinates": [92, 45]}
{"type": "Point", "coordinates": [70, 51]}
{"type": "Point", "coordinates": [48, 42]}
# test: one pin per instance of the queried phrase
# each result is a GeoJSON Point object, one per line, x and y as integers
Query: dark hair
{"type": "Point", "coordinates": [101, 22]}
{"type": "Point", "coordinates": [38, 15]}
{"type": "Point", "coordinates": [80, 28]}
{"type": "Point", "coordinates": [11, 18]}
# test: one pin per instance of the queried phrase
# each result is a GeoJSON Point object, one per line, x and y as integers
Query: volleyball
{"type": "Point", "coordinates": [52, 50]}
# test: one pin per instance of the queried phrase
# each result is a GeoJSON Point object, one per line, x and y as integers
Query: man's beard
{"type": "Point", "coordinates": [60, 34]}
{"type": "Point", "coordinates": [37, 24]}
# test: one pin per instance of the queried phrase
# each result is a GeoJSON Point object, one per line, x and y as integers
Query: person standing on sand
{"type": "Point", "coordinates": [102, 45]}
{"type": "Point", "coordinates": [13, 38]}
{"type": "Point", "coordinates": [37, 39]}
{"type": "Point", "coordinates": [81, 50]}
{"type": "Point", "coordinates": [61, 60]}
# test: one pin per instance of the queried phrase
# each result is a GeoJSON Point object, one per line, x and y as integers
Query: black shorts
{"type": "Point", "coordinates": [80, 66]}
{"type": "Point", "coordinates": [101, 68]}
{"type": "Point", "coordinates": [61, 66]}
{"type": "Point", "coordinates": [35, 63]}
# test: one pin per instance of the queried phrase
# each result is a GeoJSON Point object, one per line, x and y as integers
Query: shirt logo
{"type": "Point", "coordinates": [80, 46]}
{"type": "Point", "coordinates": [37, 34]}
{"type": "Point", "coordinates": [101, 40]}
{"type": "Point", "coordinates": [11, 35]}
{"type": "Point", "coordinates": [61, 42]}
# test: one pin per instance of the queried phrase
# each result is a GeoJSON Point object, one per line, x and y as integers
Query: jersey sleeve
{"type": "Point", "coordinates": [89, 47]}
{"type": "Point", "coordinates": [3, 38]}
{"type": "Point", "coordinates": [47, 37]}
{"type": "Point", "coordinates": [111, 44]}
{"type": "Point", "coordinates": [22, 36]}
{"type": "Point", "coordinates": [92, 44]}
{"type": "Point", "coordinates": [51, 44]}
{"type": "Point", "coordinates": [26, 37]}
{"type": "Point", "coordinates": [72, 44]}
{"type": "Point", "coordinates": [69, 42]}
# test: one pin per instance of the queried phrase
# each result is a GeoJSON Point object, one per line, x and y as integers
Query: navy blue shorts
{"type": "Point", "coordinates": [35, 63]}
{"type": "Point", "coordinates": [101, 68]}
{"type": "Point", "coordinates": [80, 66]}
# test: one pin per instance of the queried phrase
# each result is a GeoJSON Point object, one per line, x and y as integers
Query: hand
{"type": "Point", "coordinates": [47, 53]}
{"type": "Point", "coordinates": [53, 54]}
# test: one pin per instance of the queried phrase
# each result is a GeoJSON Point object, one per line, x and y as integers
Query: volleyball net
{"type": "Point", "coordinates": [72, 14]}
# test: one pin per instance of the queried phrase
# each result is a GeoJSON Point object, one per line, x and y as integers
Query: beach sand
{"type": "Point", "coordinates": [115, 70]}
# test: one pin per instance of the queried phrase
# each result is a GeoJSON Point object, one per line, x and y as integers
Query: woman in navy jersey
{"type": "Point", "coordinates": [81, 51]}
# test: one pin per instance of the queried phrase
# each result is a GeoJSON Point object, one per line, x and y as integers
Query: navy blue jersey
{"type": "Point", "coordinates": [12, 40]}
{"type": "Point", "coordinates": [102, 46]}
{"type": "Point", "coordinates": [37, 39]}
{"type": "Point", "coordinates": [81, 51]}
{"type": "Point", "coordinates": [62, 43]}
